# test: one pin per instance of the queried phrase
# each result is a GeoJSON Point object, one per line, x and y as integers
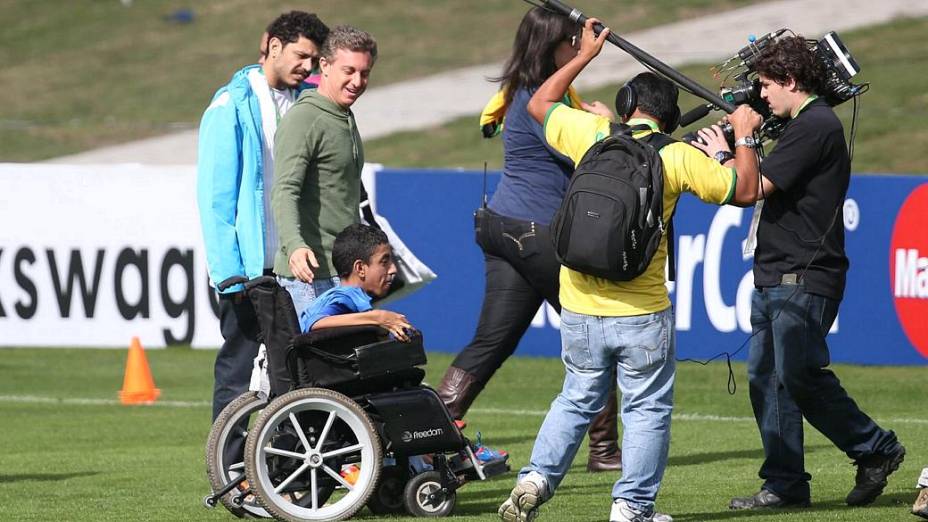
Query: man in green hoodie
{"type": "Point", "coordinates": [318, 161]}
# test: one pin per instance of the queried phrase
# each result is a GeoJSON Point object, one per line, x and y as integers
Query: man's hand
{"type": "Point", "coordinates": [598, 107]}
{"type": "Point", "coordinates": [590, 44]}
{"type": "Point", "coordinates": [302, 261]}
{"type": "Point", "coordinates": [714, 140]}
{"type": "Point", "coordinates": [395, 323]}
{"type": "Point", "coordinates": [744, 121]}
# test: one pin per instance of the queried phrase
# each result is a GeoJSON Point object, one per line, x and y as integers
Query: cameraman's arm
{"type": "Point", "coordinates": [744, 122]}
{"type": "Point", "coordinates": [553, 89]}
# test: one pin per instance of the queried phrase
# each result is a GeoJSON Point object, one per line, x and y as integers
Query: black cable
{"type": "Point", "coordinates": [853, 133]}
{"type": "Point", "coordinates": [732, 385]}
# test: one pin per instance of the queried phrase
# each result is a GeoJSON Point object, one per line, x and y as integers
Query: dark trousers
{"type": "Point", "coordinates": [232, 371]}
{"type": "Point", "coordinates": [521, 273]}
{"type": "Point", "coordinates": [789, 380]}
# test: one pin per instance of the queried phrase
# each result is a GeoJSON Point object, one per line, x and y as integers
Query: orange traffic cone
{"type": "Point", "coordinates": [137, 386]}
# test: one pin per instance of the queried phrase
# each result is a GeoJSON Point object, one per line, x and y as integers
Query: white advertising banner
{"type": "Point", "coordinates": [94, 255]}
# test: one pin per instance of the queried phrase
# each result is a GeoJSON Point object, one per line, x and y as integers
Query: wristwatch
{"type": "Point", "coordinates": [723, 156]}
{"type": "Point", "coordinates": [746, 141]}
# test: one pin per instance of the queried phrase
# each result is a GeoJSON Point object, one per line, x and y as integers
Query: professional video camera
{"type": "Point", "coordinates": [740, 84]}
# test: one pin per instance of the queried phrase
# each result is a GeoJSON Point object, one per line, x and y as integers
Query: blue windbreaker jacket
{"type": "Point", "coordinates": [230, 184]}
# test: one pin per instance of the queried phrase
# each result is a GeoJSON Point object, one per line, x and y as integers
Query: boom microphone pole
{"type": "Point", "coordinates": [643, 57]}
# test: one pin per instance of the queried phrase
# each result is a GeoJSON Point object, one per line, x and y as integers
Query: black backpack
{"type": "Point", "coordinates": [610, 222]}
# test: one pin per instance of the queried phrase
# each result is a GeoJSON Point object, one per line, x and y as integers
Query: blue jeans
{"type": "Point", "coordinates": [303, 294]}
{"type": "Point", "coordinates": [789, 380]}
{"type": "Point", "coordinates": [641, 350]}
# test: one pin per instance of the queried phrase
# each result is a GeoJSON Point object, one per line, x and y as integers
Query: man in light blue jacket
{"type": "Point", "coordinates": [234, 174]}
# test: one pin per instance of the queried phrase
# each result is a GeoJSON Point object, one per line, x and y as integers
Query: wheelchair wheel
{"type": "Point", "coordinates": [388, 497]}
{"type": "Point", "coordinates": [313, 455]}
{"type": "Point", "coordinates": [424, 498]}
{"type": "Point", "coordinates": [225, 448]}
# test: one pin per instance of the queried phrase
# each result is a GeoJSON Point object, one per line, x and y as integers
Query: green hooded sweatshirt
{"type": "Point", "coordinates": [318, 159]}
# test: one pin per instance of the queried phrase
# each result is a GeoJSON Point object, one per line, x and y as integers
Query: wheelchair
{"type": "Point", "coordinates": [347, 423]}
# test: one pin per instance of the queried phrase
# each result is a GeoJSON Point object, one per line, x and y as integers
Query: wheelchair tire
{"type": "Point", "coordinates": [417, 495]}
{"type": "Point", "coordinates": [219, 469]}
{"type": "Point", "coordinates": [300, 447]}
{"type": "Point", "coordinates": [388, 498]}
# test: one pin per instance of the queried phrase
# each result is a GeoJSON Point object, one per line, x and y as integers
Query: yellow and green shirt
{"type": "Point", "coordinates": [686, 169]}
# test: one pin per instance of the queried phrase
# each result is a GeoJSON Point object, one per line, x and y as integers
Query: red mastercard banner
{"type": "Point", "coordinates": [908, 268]}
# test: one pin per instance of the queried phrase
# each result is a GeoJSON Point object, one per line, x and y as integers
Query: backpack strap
{"type": "Point", "coordinates": [659, 140]}
{"type": "Point", "coordinates": [617, 128]}
{"type": "Point", "coordinates": [622, 128]}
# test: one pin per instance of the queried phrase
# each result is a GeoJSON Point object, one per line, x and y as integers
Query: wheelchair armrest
{"type": "Point", "coordinates": [327, 335]}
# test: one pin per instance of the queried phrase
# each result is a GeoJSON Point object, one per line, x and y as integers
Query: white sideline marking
{"type": "Point", "coordinates": [77, 401]}
{"type": "Point", "coordinates": [676, 416]}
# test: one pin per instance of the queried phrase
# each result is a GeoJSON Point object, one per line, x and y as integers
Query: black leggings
{"type": "Point", "coordinates": [521, 273]}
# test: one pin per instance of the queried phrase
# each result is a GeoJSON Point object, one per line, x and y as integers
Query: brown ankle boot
{"type": "Point", "coordinates": [605, 453]}
{"type": "Point", "coordinates": [458, 390]}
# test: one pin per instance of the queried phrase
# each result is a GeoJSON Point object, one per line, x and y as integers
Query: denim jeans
{"type": "Point", "coordinates": [641, 350]}
{"type": "Point", "coordinates": [789, 380]}
{"type": "Point", "coordinates": [303, 294]}
{"type": "Point", "coordinates": [521, 273]}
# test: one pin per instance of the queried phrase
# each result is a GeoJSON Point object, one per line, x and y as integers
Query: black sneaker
{"type": "Point", "coordinates": [871, 476]}
{"type": "Point", "coordinates": [767, 499]}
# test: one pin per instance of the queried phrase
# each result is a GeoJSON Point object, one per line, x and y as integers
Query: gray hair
{"type": "Point", "coordinates": [348, 38]}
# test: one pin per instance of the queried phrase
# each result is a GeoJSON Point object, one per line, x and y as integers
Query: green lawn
{"type": "Point", "coordinates": [82, 460]}
{"type": "Point", "coordinates": [78, 74]}
{"type": "Point", "coordinates": [892, 127]}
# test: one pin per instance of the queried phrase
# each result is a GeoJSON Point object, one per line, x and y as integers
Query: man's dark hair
{"type": "Point", "coordinates": [532, 59]}
{"type": "Point", "coordinates": [791, 58]}
{"type": "Point", "coordinates": [656, 96]}
{"type": "Point", "coordinates": [289, 27]}
{"type": "Point", "coordinates": [356, 242]}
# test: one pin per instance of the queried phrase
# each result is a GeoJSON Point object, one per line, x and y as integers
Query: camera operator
{"type": "Point", "coordinates": [799, 278]}
{"type": "Point", "coordinates": [624, 327]}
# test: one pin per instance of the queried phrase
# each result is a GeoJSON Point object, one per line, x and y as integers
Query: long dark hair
{"type": "Point", "coordinates": [532, 58]}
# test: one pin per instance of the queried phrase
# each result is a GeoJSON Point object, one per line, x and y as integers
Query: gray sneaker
{"type": "Point", "coordinates": [622, 512]}
{"type": "Point", "coordinates": [920, 507]}
{"type": "Point", "coordinates": [522, 504]}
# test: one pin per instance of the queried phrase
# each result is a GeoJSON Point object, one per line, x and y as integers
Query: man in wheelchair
{"type": "Point", "coordinates": [348, 423]}
{"type": "Point", "coordinates": [364, 261]}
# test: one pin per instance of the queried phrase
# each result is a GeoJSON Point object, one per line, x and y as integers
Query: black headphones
{"type": "Point", "coordinates": [626, 101]}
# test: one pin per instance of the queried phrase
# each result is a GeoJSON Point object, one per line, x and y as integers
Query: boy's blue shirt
{"type": "Point", "coordinates": [335, 301]}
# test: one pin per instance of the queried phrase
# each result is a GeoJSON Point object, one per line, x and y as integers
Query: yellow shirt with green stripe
{"type": "Point", "coordinates": [686, 169]}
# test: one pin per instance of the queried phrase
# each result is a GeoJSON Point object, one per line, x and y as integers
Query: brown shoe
{"type": "Point", "coordinates": [605, 453]}
{"type": "Point", "coordinates": [458, 390]}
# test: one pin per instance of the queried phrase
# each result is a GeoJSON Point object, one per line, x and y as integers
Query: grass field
{"type": "Point", "coordinates": [893, 123]}
{"type": "Point", "coordinates": [80, 74]}
{"type": "Point", "coordinates": [72, 453]}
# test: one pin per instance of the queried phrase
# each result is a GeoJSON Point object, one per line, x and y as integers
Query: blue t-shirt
{"type": "Point", "coordinates": [535, 176]}
{"type": "Point", "coordinates": [335, 301]}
